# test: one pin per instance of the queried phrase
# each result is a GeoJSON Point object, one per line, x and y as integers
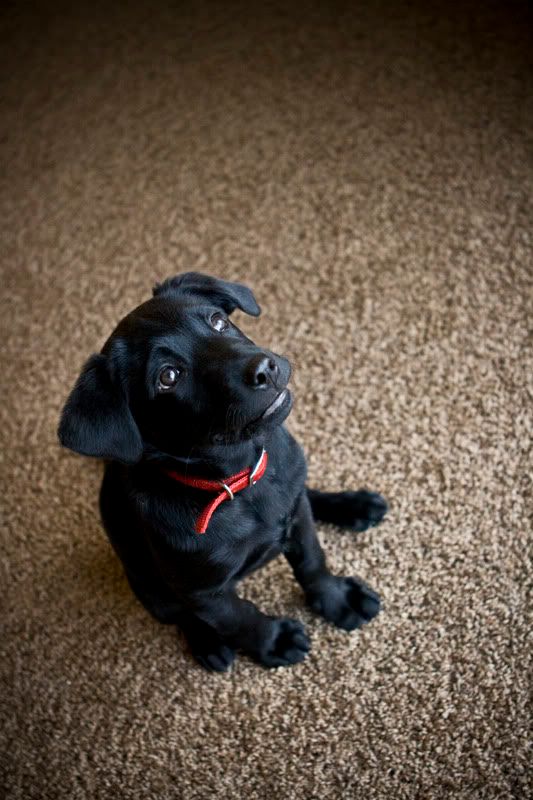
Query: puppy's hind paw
{"type": "Point", "coordinates": [362, 509]}
{"type": "Point", "coordinates": [356, 511]}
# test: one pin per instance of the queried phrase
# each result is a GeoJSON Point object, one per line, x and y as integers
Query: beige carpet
{"type": "Point", "coordinates": [367, 168]}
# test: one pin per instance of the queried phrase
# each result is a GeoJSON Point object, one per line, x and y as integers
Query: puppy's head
{"type": "Point", "coordinates": [177, 374]}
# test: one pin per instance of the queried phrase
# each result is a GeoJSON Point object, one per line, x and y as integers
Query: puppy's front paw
{"type": "Point", "coordinates": [287, 644]}
{"type": "Point", "coordinates": [358, 510]}
{"type": "Point", "coordinates": [347, 602]}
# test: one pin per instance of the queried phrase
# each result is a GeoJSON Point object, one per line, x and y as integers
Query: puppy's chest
{"type": "Point", "coordinates": [254, 531]}
{"type": "Point", "coordinates": [260, 508]}
{"type": "Point", "coordinates": [253, 528]}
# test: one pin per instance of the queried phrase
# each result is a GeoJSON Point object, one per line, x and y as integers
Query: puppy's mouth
{"type": "Point", "coordinates": [278, 409]}
{"type": "Point", "coordinates": [275, 404]}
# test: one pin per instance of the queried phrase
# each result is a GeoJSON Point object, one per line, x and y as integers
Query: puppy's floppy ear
{"type": "Point", "coordinates": [96, 419]}
{"type": "Point", "coordinates": [228, 296]}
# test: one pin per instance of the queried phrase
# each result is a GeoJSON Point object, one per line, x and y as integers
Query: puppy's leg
{"type": "Point", "coordinates": [347, 602]}
{"type": "Point", "coordinates": [354, 510]}
{"type": "Point", "coordinates": [160, 603]}
{"type": "Point", "coordinates": [238, 624]}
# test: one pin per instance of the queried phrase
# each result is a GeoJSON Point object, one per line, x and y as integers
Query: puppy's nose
{"type": "Point", "coordinates": [260, 371]}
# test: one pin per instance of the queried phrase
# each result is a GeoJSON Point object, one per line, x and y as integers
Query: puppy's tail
{"type": "Point", "coordinates": [356, 511]}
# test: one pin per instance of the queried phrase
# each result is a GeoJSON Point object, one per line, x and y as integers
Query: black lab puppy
{"type": "Point", "coordinates": [203, 483]}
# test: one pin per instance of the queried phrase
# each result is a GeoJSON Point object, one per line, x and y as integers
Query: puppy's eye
{"type": "Point", "coordinates": [219, 322]}
{"type": "Point", "coordinates": [168, 377]}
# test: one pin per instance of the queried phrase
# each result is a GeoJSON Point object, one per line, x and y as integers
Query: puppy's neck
{"type": "Point", "coordinates": [215, 461]}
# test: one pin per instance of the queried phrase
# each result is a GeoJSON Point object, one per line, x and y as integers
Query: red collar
{"type": "Point", "coordinates": [230, 486]}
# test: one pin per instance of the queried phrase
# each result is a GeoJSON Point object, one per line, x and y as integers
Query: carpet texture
{"type": "Point", "coordinates": [367, 169]}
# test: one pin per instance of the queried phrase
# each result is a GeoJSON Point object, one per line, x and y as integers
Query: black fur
{"type": "Point", "coordinates": [209, 424]}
